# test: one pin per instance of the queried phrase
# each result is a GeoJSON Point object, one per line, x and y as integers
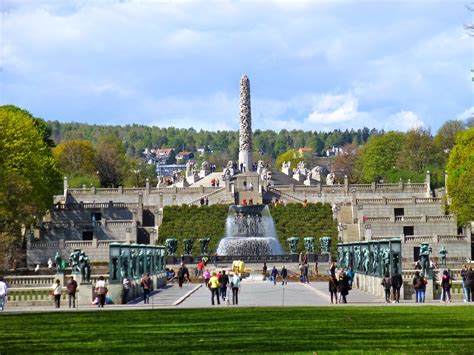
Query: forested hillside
{"type": "Point", "coordinates": [135, 138]}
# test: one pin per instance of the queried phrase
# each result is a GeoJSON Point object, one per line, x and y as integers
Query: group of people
{"type": "Point", "coordinates": [467, 275]}
{"type": "Point", "coordinates": [340, 282]}
{"type": "Point", "coordinates": [274, 274]}
{"type": "Point", "coordinates": [221, 285]}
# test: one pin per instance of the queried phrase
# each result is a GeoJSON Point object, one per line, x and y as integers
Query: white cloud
{"type": "Point", "coordinates": [334, 109]}
{"type": "Point", "coordinates": [467, 114]}
{"type": "Point", "coordinates": [403, 121]}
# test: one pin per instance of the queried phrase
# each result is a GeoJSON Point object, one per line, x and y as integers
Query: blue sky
{"type": "Point", "coordinates": [313, 65]}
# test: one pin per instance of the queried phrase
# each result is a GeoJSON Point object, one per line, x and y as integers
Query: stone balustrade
{"type": "Point", "coordinates": [30, 281]}
{"type": "Point", "coordinates": [418, 238]}
{"type": "Point", "coordinates": [451, 238]}
{"type": "Point", "coordinates": [400, 200]}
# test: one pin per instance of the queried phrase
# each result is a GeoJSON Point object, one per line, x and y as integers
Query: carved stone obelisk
{"type": "Point", "coordinates": [245, 139]}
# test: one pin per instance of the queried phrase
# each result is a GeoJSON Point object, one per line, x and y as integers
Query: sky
{"type": "Point", "coordinates": [313, 65]}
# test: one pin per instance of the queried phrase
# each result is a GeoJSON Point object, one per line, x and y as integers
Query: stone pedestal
{"type": "Point", "coordinates": [193, 178]}
{"type": "Point", "coordinates": [298, 177]}
{"type": "Point", "coordinates": [312, 258]}
{"type": "Point", "coordinates": [203, 173]}
{"type": "Point", "coordinates": [324, 258]}
{"type": "Point", "coordinates": [85, 294]}
{"type": "Point", "coordinates": [171, 260]}
{"type": "Point", "coordinates": [294, 258]}
{"type": "Point", "coordinates": [308, 182]}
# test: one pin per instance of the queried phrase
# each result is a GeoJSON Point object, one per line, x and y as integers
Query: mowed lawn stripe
{"type": "Point", "coordinates": [290, 329]}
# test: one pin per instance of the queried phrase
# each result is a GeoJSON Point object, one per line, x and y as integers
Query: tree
{"type": "Point", "coordinates": [293, 156]}
{"type": "Point", "coordinates": [28, 174]}
{"type": "Point", "coordinates": [75, 157]}
{"type": "Point", "coordinates": [446, 135]}
{"type": "Point", "coordinates": [345, 163]}
{"type": "Point", "coordinates": [460, 170]}
{"type": "Point", "coordinates": [417, 151]}
{"type": "Point", "coordinates": [111, 161]}
{"type": "Point", "coordinates": [379, 155]}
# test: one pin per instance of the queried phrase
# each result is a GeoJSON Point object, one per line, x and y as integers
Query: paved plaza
{"type": "Point", "coordinates": [254, 293]}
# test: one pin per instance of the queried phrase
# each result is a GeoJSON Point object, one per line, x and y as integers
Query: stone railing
{"type": "Point", "coordinates": [408, 218]}
{"type": "Point", "coordinates": [78, 244]}
{"type": "Point", "coordinates": [451, 238]}
{"type": "Point", "coordinates": [441, 218]}
{"type": "Point", "coordinates": [418, 238]}
{"type": "Point", "coordinates": [32, 296]}
{"type": "Point", "coordinates": [400, 200]}
{"type": "Point", "coordinates": [118, 223]}
{"type": "Point", "coordinates": [376, 219]}
{"type": "Point", "coordinates": [286, 195]}
{"type": "Point", "coordinates": [214, 192]}
{"type": "Point", "coordinates": [30, 281]}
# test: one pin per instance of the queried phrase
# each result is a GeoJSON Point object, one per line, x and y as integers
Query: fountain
{"type": "Point", "coordinates": [249, 231]}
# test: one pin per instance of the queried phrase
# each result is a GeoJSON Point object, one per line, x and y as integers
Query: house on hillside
{"type": "Point", "coordinates": [184, 156]}
{"type": "Point", "coordinates": [163, 155]}
{"type": "Point", "coordinates": [333, 152]}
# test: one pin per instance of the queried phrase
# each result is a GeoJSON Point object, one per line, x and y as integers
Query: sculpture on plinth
{"type": "Point", "coordinates": [203, 244]}
{"type": "Point", "coordinates": [293, 244]}
{"type": "Point", "coordinates": [171, 245]}
{"type": "Point", "coordinates": [325, 243]}
{"type": "Point", "coordinates": [385, 260]}
{"type": "Point", "coordinates": [330, 179]}
{"type": "Point", "coordinates": [425, 251]}
{"type": "Point", "coordinates": [58, 263]}
{"type": "Point", "coordinates": [443, 252]}
{"type": "Point", "coordinates": [74, 261]}
{"type": "Point", "coordinates": [85, 267]}
{"type": "Point", "coordinates": [357, 258]}
{"type": "Point", "coordinates": [309, 245]}
{"type": "Point", "coordinates": [188, 246]}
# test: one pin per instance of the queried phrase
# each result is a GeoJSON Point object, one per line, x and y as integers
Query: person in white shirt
{"type": "Point", "coordinates": [3, 292]}
{"type": "Point", "coordinates": [57, 291]}
{"type": "Point", "coordinates": [101, 291]}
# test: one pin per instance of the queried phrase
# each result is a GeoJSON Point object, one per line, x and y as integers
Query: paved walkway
{"type": "Point", "coordinates": [254, 293]}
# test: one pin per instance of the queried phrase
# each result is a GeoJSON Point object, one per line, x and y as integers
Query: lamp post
{"type": "Point", "coordinates": [136, 171]}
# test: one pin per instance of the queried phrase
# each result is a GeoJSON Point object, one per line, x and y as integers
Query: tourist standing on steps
{"type": "Point", "coordinates": [284, 275]}
{"type": "Point", "coordinates": [214, 286]}
{"type": "Point", "coordinates": [57, 291]}
{"type": "Point", "coordinates": [145, 283]}
{"type": "Point", "coordinates": [446, 286]}
{"type": "Point", "coordinates": [71, 292]}
{"type": "Point", "coordinates": [100, 291]}
{"type": "Point", "coordinates": [3, 293]}
{"type": "Point", "coordinates": [333, 288]}
{"type": "Point", "coordinates": [235, 283]}
{"type": "Point", "coordinates": [387, 285]}
{"type": "Point", "coordinates": [397, 283]}
{"type": "Point", "coordinates": [223, 281]}
{"type": "Point", "coordinates": [274, 275]}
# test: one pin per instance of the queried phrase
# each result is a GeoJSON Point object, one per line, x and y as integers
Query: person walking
{"type": "Point", "coordinates": [235, 282]}
{"type": "Point", "coordinates": [145, 283]}
{"type": "Point", "coordinates": [207, 277]}
{"type": "Point", "coordinates": [183, 274]}
{"type": "Point", "coordinates": [446, 286]}
{"type": "Point", "coordinates": [3, 293]}
{"type": "Point", "coordinates": [101, 291]}
{"type": "Point", "coordinates": [126, 285]}
{"type": "Point", "coordinates": [274, 275]}
{"type": "Point", "coordinates": [264, 270]}
{"type": "Point", "coordinates": [57, 291]}
{"type": "Point", "coordinates": [464, 287]}
{"type": "Point", "coordinates": [470, 284]}
{"type": "Point", "coordinates": [216, 260]}
{"type": "Point", "coordinates": [71, 287]}
{"type": "Point", "coordinates": [344, 287]}
{"type": "Point", "coordinates": [214, 286]}
{"type": "Point", "coordinates": [223, 282]}
{"type": "Point", "coordinates": [284, 275]}
{"type": "Point", "coordinates": [419, 284]}
{"type": "Point", "coordinates": [397, 282]}
{"type": "Point", "coordinates": [387, 285]}
{"type": "Point", "coordinates": [333, 288]}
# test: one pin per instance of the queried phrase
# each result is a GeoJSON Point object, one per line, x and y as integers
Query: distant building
{"type": "Point", "coordinates": [163, 155]}
{"type": "Point", "coordinates": [334, 151]}
{"type": "Point", "coordinates": [184, 156]}
{"type": "Point", "coordinates": [305, 150]}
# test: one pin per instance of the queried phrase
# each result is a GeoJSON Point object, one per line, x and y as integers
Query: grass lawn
{"type": "Point", "coordinates": [352, 330]}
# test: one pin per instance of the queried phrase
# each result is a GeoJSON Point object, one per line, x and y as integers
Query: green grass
{"type": "Point", "coordinates": [407, 330]}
